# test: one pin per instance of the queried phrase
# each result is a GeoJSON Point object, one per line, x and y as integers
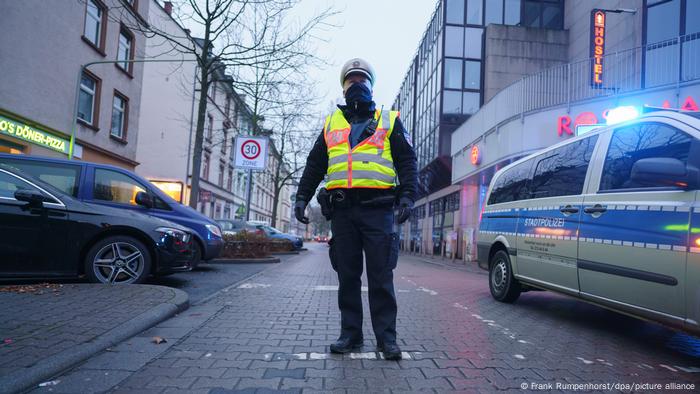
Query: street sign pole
{"type": "Point", "coordinates": [250, 188]}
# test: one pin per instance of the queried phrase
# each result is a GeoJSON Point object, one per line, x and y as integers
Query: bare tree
{"type": "Point", "coordinates": [225, 41]}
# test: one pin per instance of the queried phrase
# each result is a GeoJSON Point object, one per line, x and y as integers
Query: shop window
{"type": "Point", "coordinates": [95, 24]}
{"type": "Point", "coordinates": [470, 102]}
{"type": "Point", "coordinates": [472, 42]}
{"type": "Point", "coordinates": [563, 170]}
{"type": "Point", "coordinates": [633, 143]}
{"type": "Point", "coordinates": [453, 73]}
{"type": "Point", "coordinates": [455, 11]}
{"type": "Point", "coordinates": [475, 12]}
{"type": "Point", "coordinates": [125, 50]}
{"type": "Point", "coordinates": [11, 148]}
{"type": "Point", "coordinates": [61, 176]}
{"type": "Point", "coordinates": [88, 99]}
{"type": "Point", "coordinates": [494, 12]}
{"type": "Point", "coordinates": [120, 107]}
{"type": "Point", "coordinates": [512, 184]}
{"type": "Point", "coordinates": [454, 41]}
{"type": "Point", "coordinates": [115, 187]}
{"type": "Point", "coordinates": [472, 75]}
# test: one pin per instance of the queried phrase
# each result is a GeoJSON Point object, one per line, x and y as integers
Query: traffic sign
{"type": "Point", "coordinates": [251, 152]}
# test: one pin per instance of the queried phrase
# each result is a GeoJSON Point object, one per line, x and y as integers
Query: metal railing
{"type": "Point", "coordinates": [667, 63]}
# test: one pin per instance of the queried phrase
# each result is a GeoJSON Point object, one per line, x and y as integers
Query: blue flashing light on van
{"type": "Point", "coordinates": [113, 186]}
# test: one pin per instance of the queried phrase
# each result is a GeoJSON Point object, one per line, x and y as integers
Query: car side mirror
{"type": "Point", "coordinates": [33, 197]}
{"type": "Point", "coordinates": [665, 171]}
{"type": "Point", "coordinates": [144, 199]}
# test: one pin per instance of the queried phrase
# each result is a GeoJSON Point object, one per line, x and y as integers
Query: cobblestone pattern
{"type": "Point", "coordinates": [34, 326]}
{"type": "Point", "coordinates": [459, 339]}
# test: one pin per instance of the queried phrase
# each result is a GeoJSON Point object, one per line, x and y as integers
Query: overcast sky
{"type": "Point", "coordinates": [383, 32]}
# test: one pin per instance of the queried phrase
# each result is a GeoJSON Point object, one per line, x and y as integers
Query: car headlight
{"type": "Point", "coordinates": [214, 230]}
{"type": "Point", "coordinates": [175, 233]}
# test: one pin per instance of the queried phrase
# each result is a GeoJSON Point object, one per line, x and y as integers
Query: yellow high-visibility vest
{"type": "Point", "coordinates": [369, 163]}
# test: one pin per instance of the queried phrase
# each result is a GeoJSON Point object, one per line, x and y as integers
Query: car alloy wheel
{"type": "Point", "coordinates": [118, 262]}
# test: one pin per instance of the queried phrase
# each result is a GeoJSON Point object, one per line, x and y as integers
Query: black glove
{"type": "Point", "coordinates": [405, 205]}
{"type": "Point", "coordinates": [299, 208]}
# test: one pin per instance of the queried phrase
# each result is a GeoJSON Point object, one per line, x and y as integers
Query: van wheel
{"type": "Point", "coordinates": [118, 259]}
{"type": "Point", "coordinates": [504, 287]}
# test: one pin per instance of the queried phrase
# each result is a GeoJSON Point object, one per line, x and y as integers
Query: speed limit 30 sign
{"type": "Point", "coordinates": [251, 152]}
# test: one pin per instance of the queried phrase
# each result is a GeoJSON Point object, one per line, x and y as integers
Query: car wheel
{"type": "Point", "coordinates": [196, 254]}
{"type": "Point", "coordinates": [504, 287]}
{"type": "Point", "coordinates": [117, 260]}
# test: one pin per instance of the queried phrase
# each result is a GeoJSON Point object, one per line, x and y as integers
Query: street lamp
{"type": "Point", "coordinates": [82, 70]}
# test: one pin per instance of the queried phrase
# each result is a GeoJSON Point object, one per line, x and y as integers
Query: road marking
{"type": "Point", "coordinates": [346, 356]}
{"type": "Point", "coordinates": [519, 356]}
{"type": "Point", "coordinates": [253, 286]}
{"type": "Point", "coordinates": [431, 292]}
{"type": "Point", "coordinates": [587, 362]}
{"type": "Point", "coordinates": [667, 367]}
{"type": "Point", "coordinates": [333, 288]}
{"type": "Point", "coordinates": [688, 369]}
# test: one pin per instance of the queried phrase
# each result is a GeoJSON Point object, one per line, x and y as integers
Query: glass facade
{"type": "Point", "coordinates": [443, 84]}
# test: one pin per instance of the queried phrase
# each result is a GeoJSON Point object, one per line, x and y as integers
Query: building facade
{"type": "Point", "coordinates": [541, 83]}
{"type": "Point", "coordinates": [41, 77]}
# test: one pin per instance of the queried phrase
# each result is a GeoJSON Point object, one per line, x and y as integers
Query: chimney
{"type": "Point", "coordinates": [168, 6]}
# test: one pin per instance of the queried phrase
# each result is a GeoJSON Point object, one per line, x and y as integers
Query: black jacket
{"type": "Point", "coordinates": [402, 154]}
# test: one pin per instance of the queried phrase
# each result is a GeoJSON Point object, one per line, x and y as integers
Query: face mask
{"type": "Point", "coordinates": [358, 92]}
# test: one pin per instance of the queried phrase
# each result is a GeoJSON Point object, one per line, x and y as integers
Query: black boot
{"type": "Point", "coordinates": [390, 350]}
{"type": "Point", "coordinates": [346, 345]}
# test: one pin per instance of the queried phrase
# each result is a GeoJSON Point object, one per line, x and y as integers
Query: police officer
{"type": "Point", "coordinates": [362, 149]}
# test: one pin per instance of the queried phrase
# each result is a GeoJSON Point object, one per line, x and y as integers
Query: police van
{"type": "Point", "coordinates": [611, 217]}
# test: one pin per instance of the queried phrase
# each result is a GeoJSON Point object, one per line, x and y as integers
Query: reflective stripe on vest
{"type": "Point", "coordinates": [369, 164]}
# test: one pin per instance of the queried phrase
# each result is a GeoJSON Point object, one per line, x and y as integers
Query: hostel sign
{"type": "Point", "coordinates": [25, 132]}
{"type": "Point", "coordinates": [598, 20]}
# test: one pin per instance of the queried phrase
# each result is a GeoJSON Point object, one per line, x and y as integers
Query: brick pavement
{"type": "Point", "coordinates": [272, 333]}
{"type": "Point", "coordinates": [48, 327]}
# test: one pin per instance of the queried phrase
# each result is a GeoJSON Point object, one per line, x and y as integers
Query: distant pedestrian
{"type": "Point", "coordinates": [362, 150]}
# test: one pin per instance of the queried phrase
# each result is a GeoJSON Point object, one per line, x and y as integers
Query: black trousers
{"type": "Point", "coordinates": [356, 229]}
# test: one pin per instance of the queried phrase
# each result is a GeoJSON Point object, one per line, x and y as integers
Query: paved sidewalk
{"type": "Point", "coordinates": [469, 266]}
{"type": "Point", "coordinates": [45, 329]}
{"type": "Point", "coordinates": [272, 331]}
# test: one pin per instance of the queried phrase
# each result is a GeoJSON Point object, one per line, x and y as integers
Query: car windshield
{"type": "Point", "coordinates": [227, 225]}
{"type": "Point", "coordinates": [271, 230]}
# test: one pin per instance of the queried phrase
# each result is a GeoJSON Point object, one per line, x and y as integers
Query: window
{"type": "Point", "coordinates": [210, 127]}
{"type": "Point", "coordinates": [61, 176]}
{"type": "Point", "coordinates": [455, 11]}
{"type": "Point", "coordinates": [663, 21]}
{"type": "Point", "coordinates": [474, 12]}
{"type": "Point", "coordinates": [88, 99]}
{"type": "Point", "coordinates": [224, 142]}
{"type": "Point", "coordinates": [120, 106]}
{"type": "Point", "coordinates": [115, 187]}
{"type": "Point", "coordinates": [452, 103]}
{"type": "Point", "coordinates": [472, 42]}
{"type": "Point", "coordinates": [692, 23]}
{"type": "Point", "coordinates": [630, 144]}
{"type": "Point", "coordinates": [512, 184]}
{"type": "Point", "coordinates": [93, 32]}
{"type": "Point", "coordinates": [454, 41]}
{"type": "Point", "coordinates": [205, 166]}
{"type": "Point", "coordinates": [125, 50]}
{"type": "Point", "coordinates": [470, 102]}
{"type": "Point", "coordinates": [222, 171]}
{"type": "Point", "coordinates": [512, 12]}
{"type": "Point", "coordinates": [10, 184]}
{"type": "Point", "coordinates": [229, 183]}
{"type": "Point", "coordinates": [472, 74]}
{"type": "Point", "coordinates": [453, 73]}
{"type": "Point", "coordinates": [562, 172]}
{"type": "Point", "coordinates": [494, 12]}
{"type": "Point", "coordinates": [545, 14]}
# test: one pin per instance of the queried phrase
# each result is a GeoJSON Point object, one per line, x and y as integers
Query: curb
{"type": "Point", "coordinates": [285, 253]}
{"type": "Point", "coordinates": [53, 365]}
{"type": "Point", "coordinates": [246, 261]}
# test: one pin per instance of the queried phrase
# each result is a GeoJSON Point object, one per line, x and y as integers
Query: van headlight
{"type": "Point", "coordinates": [214, 230]}
{"type": "Point", "coordinates": [175, 233]}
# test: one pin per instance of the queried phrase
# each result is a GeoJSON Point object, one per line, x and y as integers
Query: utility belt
{"type": "Point", "coordinates": [330, 200]}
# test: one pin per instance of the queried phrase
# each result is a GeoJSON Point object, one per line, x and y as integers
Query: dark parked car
{"type": "Point", "coordinates": [47, 233]}
{"type": "Point", "coordinates": [113, 186]}
{"type": "Point", "coordinates": [272, 232]}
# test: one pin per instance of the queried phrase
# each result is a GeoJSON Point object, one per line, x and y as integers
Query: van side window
{"type": "Point", "coordinates": [562, 171]}
{"type": "Point", "coordinates": [63, 177]}
{"type": "Point", "coordinates": [632, 143]}
{"type": "Point", "coordinates": [115, 187]}
{"type": "Point", "coordinates": [512, 184]}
